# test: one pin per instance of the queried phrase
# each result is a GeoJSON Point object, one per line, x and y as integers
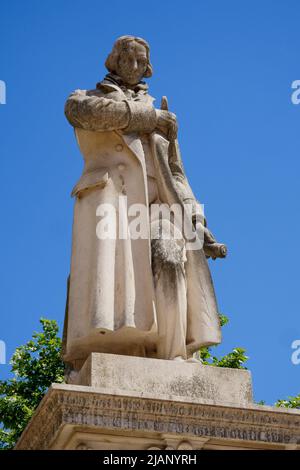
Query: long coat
{"type": "Point", "coordinates": [111, 300]}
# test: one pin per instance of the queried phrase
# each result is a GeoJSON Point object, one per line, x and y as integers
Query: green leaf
{"type": "Point", "coordinates": [35, 365]}
{"type": "Point", "coordinates": [291, 402]}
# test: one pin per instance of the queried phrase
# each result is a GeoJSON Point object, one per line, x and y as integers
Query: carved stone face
{"type": "Point", "coordinates": [132, 63]}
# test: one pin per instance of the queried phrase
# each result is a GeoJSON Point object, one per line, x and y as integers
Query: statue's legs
{"type": "Point", "coordinates": [168, 258]}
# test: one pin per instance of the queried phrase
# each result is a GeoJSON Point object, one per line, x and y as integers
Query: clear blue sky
{"type": "Point", "coordinates": [227, 69]}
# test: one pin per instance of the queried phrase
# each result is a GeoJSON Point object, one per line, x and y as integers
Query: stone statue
{"type": "Point", "coordinates": [145, 296]}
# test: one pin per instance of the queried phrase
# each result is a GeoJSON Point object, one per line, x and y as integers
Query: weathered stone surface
{"type": "Point", "coordinates": [80, 417]}
{"type": "Point", "coordinates": [140, 295]}
{"type": "Point", "coordinates": [166, 378]}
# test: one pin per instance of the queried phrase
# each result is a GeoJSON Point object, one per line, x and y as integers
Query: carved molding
{"type": "Point", "coordinates": [181, 445]}
{"type": "Point", "coordinates": [185, 421]}
{"type": "Point", "coordinates": [83, 446]}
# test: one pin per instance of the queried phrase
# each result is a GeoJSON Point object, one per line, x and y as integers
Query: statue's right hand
{"type": "Point", "coordinates": [167, 123]}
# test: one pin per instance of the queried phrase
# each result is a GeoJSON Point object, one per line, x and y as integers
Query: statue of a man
{"type": "Point", "coordinates": [147, 296]}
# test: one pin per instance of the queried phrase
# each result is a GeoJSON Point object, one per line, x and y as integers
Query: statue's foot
{"type": "Point", "coordinates": [193, 359]}
{"type": "Point", "coordinates": [190, 359]}
{"type": "Point", "coordinates": [179, 359]}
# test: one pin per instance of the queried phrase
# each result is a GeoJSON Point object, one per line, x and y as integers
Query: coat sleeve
{"type": "Point", "coordinates": [183, 187]}
{"type": "Point", "coordinates": [102, 114]}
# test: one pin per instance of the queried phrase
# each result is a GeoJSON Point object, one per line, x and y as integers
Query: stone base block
{"type": "Point", "coordinates": [166, 378]}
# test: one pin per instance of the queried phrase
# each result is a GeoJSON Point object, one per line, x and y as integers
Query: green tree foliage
{"type": "Point", "coordinates": [291, 402]}
{"type": "Point", "coordinates": [233, 360]}
{"type": "Point", "coordinates": [35, 366]}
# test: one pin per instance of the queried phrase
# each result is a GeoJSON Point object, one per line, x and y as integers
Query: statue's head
{"type": "Point", "coordinates": [130, 59]}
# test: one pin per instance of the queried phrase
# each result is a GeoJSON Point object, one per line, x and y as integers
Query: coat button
{"type": "Point", "coordinates": [119, 147]}
{"type": "Point", "coordinates": [121, 166]}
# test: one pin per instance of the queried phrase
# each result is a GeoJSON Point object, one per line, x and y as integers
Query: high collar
{"type": "Point", "coordinates": [116, 80]}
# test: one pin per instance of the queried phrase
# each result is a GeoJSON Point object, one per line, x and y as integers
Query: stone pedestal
{"type": "Point", "coordinates": [165, 379]}
{"type": "Point", "coordinates": [123, 402]}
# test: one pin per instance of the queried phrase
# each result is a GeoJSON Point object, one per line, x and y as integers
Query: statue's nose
{"type": "Point", "coordinates": [134, 65]}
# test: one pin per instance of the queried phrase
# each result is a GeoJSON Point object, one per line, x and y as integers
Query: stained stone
{"type": "Point", "coordinates": [149, 296]}
{"type": "Point", "coordinates": [166, 378]}
{"type": "Point", "coordinates": [85, 417]}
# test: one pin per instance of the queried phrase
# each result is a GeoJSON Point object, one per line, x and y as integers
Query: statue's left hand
{"type": "Point", "coordinates": [211, 247]}
{"type": "Point", "coordinates": [215, 250]}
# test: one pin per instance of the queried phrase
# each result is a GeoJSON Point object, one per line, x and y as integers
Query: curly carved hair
{"type": "Point", "coordinates": [121, 44]}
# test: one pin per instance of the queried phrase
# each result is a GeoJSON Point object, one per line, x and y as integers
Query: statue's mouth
{"type": "Point", "coordinates": [133, 78]}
